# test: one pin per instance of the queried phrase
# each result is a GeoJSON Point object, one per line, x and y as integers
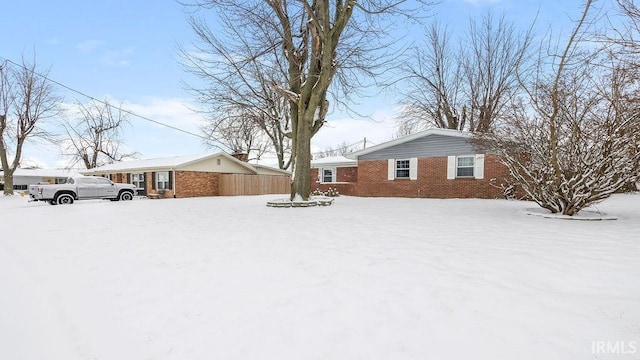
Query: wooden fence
{"type": "Point", "coordinates": [241, 184]}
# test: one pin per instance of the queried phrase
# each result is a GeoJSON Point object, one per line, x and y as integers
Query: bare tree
{"type": "Point", "coordinates": [627, 35]}
{"type": "Point", "coordinates": [237, 132]}
{"type": "Point", "coordinates": [94, 137]}
{"type": "Point", "coordinates": [435, 95]}
{"type": "Point", "coordinates": [574, 141]}
{"type": "Point", "coordinates": [466, 88]}
{"type": "Point", "coordinates": [318, 41]}
{"type": "Point", "coordinates": [341, 149]}
{"type": "Point", "coordinates": [626, 49]}
{"type": "Point", "coordinates": [239, 91]}
{"type": "Point", "coordinates": [27, 100]}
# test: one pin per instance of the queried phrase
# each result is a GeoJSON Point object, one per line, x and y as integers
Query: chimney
{"type": "Point", "coordinates": [241, 156]}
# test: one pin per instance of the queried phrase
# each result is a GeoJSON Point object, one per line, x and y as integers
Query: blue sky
{"type": "Point", "coordinates": [126, 50]}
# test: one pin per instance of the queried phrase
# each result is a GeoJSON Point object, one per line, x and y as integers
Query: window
{"type": "Point", "coordinates": [328, 175]}
{"type": "Point", "coordinates": [20, 187]}
{"type": "Point", "coordinates": [465, 166]}
{"type": "Point", "coordinates": [162, 180]}
{"type": "Point", "coordinates": [402, 169]}
{"type": "Point", "coordinates": [103, 181]}
{"type": "Point", "coordinates": [137, 179]}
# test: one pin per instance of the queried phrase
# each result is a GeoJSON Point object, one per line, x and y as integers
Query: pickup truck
{"type": "Point", "coordinates": [81, 188]}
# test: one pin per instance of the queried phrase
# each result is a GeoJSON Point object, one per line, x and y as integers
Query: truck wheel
{"type": "Point", "coordinates": [125, 196]}
{"type": "Point", "coordinates": [64, 199]}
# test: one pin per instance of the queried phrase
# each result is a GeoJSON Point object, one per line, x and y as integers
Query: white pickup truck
{"type": "Point", "coordinates": [81, 188]}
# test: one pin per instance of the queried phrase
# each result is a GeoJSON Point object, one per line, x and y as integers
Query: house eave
{"type": "Point", "coordinates": [444, 132]}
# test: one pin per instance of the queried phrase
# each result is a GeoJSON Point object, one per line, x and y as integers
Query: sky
{"type": "Point", "coordinates": [127, 51]}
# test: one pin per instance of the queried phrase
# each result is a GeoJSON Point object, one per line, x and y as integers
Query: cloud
{"type": "Point", "coordinates": [155, 140]}
{"type": "Point", "coordinates": [109, 57]}
{"type": "Point", "coordinates": [172, 111]}
{"type": "Point", "coordinates": [118, 57]}
{"type": "Point", "coordinates": [379, 128]}
{"type": "Point", "coordinates": [35, 162]}
{"type": "Point", "coordinates": [152, 140]}
{"type": "Point", "coordinates": [89, 45]}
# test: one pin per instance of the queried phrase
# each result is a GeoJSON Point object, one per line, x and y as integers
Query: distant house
{"type": "Point", "coordinates": [201, 175]}
{"type": "Point", "coordinates": [22, 178]}
{"type": "Point", "coordinates": [434, 163]}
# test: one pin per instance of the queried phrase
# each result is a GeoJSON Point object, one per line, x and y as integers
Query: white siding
{"type": "Point", "coordinates": [478, 172]}
{"type": "Point", "coordinates": [211, 165]}
{"type": "Point", "coordinates": [391, 169]}
{"type": "Point", "coordinates": [428, 146]}
{"type": "Point", "coordinates": [451, 167]}
{"type": "Point", "coordinates": [413, 169]}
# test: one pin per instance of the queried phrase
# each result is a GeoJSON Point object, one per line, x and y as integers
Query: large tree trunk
{"type": "Point", "coordinates": [7, 171]}
{"type": "Point", "coordinates": [8, 181]}
{"type": "Point", "coordinates": [301, 185]}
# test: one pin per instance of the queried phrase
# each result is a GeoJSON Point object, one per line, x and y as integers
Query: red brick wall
{"type": "Point", "coordinates": [119, 178]}
{"type": "Point", "coordinates": [347, 174]}
{"type": "Point", "coordinates": [195, 183]}
{"type": "Point", "coordinates": [346, 178]}
{"type": "Point", "coordinates": [432, 180]}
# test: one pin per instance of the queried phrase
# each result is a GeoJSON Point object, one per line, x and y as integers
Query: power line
{"type": "Point", "coordinates": [206, 139]}
{"type": "Point", "coordinates": [110, 105]}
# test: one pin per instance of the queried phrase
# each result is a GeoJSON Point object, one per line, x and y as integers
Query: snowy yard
{"type": "Point", "coordinates": [366, 278]}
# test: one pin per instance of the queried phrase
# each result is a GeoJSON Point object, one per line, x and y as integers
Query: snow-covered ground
{"type": "Point", "coordinates": [365, 278]}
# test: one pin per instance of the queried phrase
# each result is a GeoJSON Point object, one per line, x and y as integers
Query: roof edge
{"type": "Point", "coordinates": [401, 140]}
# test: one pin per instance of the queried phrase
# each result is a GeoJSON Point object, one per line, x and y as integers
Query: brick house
{"type": "Point", "coordinates": [435, 163]}
{"type": "Point", "coordinates": [192, 176]}
{"type": "Point", "coordinates": [337, 172]}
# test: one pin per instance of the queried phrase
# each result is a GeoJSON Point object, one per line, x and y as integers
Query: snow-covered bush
{"type": "Point", "coordinates": [331, 192]}
{"type": "Point", "coordinates": [574, 139]}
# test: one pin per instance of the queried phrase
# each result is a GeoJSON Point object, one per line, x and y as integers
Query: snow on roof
{"type": "Point", "coordinates": [173, 163]}
{"type": "Point", "coordinates": [59, 173]}
{"type": "Point", "coordinates": [334, 160]}
{"type": "Point", "coordinates": [404, 139]}
{"type": "Point", "coordinates": [271, 168]}
{"type": "Point", "coordinates": [167, 162]}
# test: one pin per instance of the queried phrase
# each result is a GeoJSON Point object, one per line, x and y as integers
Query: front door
{"type": "Point", "coordinates": [86, 188]}
{"type": "Point", "coordinates": [105, 188]}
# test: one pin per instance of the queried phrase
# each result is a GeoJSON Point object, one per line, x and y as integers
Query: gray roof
{"type": "Point", "coordinates": [444, 141]}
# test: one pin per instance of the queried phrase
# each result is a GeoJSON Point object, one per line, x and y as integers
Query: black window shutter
{"type": "Point", "coordinates": [170, 179]}
{"type": "Point", "coordinates": [128, 178]}
{"type": "Point", "coordinates": [144, 181]}
{"type": "Point", "coordinates": [153, 180]}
